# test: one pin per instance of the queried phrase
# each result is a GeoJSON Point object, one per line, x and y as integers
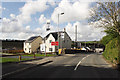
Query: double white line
{"type": "Point", "coordinates": [80, 62]}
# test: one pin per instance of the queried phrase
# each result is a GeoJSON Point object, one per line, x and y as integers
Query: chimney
{"type": "Point", "coordinates": [64, 30]}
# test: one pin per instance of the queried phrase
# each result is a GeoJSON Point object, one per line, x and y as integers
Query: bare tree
{"type": "Point", "coordinates": [106, 15]}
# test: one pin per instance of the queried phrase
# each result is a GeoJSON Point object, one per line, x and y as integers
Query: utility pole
{"type": "Point", "coordinates": [58, 32]}
{"type": "Point", "coordinates": [76, 36]}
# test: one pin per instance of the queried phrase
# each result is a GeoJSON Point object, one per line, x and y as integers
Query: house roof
{"type": "Point", "coordinates": [31, 39]}
{"type": "Point", "coordinates": [55, 34]}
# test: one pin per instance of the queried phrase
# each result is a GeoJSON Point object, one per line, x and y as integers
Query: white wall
{"type": "Point", "coordinates": [27, 47]}
{"type": "Point", "coordinates": [42, 47]}
{"type": "Point", "coordinates": [48, 44]}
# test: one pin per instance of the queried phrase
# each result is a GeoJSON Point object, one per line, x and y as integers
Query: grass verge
{"type": "Point", "coordinates": [37, 55]}
{"type": "Point", "coordinates": [5, 59]}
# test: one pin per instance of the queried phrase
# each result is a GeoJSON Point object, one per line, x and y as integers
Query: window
{"type": "Point", "coordinates": [50, 49]}
{"type": "Point", "coordinates": [50, 41]}
{"type": "Point", "coordinates": [29, 50]}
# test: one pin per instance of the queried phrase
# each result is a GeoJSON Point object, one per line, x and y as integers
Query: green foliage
{"type": "Point", "coordinates": [106, 39]}
{"type": "Point", "coordinates": [119, 49]}
{"type": "Point", "coordinates": [112, 32]}
{"type": "Point", "coordinates": [112, 51]}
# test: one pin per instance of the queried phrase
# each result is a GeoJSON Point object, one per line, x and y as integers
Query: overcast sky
{"type": "Point", "coordinates": [21, 20]}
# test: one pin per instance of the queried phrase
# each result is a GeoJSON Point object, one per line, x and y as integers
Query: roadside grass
{"type": "Point", "coordinates": [5, 59]}
{"type": "Point", "coordinates": [37, 55]}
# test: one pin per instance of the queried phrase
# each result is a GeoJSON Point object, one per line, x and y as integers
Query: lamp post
{"type": "Point", "coordinates": [58, 31]}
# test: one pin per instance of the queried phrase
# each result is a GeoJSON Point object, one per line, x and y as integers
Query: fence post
{"type": "Point", "coordinates": [34, 54]}
{"type": "Point", "coordinates": [19, 57]}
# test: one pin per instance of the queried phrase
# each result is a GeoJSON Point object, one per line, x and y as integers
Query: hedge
{"type": "Point", "coordinates": [112, 51]}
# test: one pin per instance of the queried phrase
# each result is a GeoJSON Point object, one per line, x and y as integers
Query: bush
{"type": "Point", "coordinates": [105, 40]}
{"type": "Point", "coordinates": [112, 51]}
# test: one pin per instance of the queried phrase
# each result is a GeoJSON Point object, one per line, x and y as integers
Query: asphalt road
{"type": "Point", "coordinates": [81, 65]}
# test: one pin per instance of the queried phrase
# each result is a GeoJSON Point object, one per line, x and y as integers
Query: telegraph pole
{"type": "Point", "coordinates": [58, 32]}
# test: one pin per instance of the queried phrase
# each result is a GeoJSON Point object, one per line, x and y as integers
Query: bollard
{"type": "Point", "coordinates": [34, 55]}
{"type": "Point", "coordinates": [45, 54]}
{"type": "Point", "coordinates": [19, 57]}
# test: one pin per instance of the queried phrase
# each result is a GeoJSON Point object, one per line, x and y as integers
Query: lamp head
{"type": "Point", "coordinates": [62, 13]}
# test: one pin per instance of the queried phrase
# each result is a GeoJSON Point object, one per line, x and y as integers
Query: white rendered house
{"type": "Point", "coordinates": [64, 41]}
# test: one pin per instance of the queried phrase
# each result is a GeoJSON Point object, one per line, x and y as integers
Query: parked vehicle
{"type": "Point", "coordinates": [83, 48]}
{"type": "Point", "coordinates": [99, 50]}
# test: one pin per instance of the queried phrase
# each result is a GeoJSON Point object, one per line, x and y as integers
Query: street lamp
{"type": "Point", "coordinates": [58, 30]}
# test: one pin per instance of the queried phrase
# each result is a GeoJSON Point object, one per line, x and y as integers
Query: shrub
{"type": "Point", "coordinates": [112, 51]}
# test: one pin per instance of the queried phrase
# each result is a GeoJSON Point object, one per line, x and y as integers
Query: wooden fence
{"type": "Point", "coordinates": [12, 51]}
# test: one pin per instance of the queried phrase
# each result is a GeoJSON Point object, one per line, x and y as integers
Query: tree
{"type": "Point", "coordinates": [105, 40]}
{"type": "Point", "coordinates": [106, 15]}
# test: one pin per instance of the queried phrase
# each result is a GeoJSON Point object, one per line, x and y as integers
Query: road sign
{"type": "Point", "coordinates": [54, 43]}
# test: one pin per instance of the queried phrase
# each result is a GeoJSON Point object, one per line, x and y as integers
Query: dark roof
{"type": "Point", "coordinates": [31, 39]}
{"type": "Point", "coordinates": [55, 34]}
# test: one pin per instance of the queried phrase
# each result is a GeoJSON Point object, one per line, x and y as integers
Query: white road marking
{"type": "Point", "coordinates": [80, 62]}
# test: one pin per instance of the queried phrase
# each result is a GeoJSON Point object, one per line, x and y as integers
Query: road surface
{"type": "Point", "coordinates": [81, 65]}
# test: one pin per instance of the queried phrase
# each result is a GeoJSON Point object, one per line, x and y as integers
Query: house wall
{"type": "Point", "coordinates": [42, 47]}
{"type": "Point", "coordinates": [32, 47]}
{"type": "Point", "coordinates": [48, 44]}
{"type": "Point", "coordinates": [36, 44]}
{"type": "Point", "coordinates": [66, 42]}
{"type": "Point", "coordinates": [27, 47]}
